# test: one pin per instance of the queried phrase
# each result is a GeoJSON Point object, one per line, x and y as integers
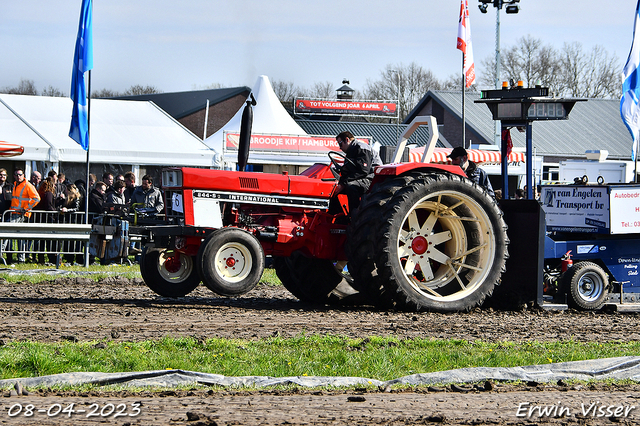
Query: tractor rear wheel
{"type": "Point", "coordinates": [587, 286]}
{"type": "Point", "coordinates": [230, 262]}
{"type": "Point", "coordinates": [168, 273]}
{"type": "Point", "coordinates": [439, 243]}
{"type": "Point", "coordinates": [362, 240]}
{"type": "Point", "coordinates": [309, 279]}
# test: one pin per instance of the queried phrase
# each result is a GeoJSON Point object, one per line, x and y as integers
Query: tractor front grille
{"type": "Point", "coordinates": [249, 183]}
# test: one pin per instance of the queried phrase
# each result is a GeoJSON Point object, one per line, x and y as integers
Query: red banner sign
{"type": "Point", "coordinates": [291, 144]}
{"type": "Point", "coordinates": [324, 106]}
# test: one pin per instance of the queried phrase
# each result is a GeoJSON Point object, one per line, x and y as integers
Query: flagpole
{"type": "Point", "coordinates": [86, 189]}
{"type": "Point", "coordinates": [468, 68]}
{"type": "Point", "coordinates": [629, 107]}
{"type": "Point", "coordinates": [82, 62]}
{"type": "Point", "coordinates": [86, 198]}
{"type": "Point", "coordinates": [86, 194]}
{"type": "Point", "coordinates": [635, 170]}
{"type": "Point", "coordinates": [464, 123]}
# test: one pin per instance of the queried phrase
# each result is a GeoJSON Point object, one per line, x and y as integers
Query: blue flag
{"type": "Point", "coordinates": [629, 108]}
{"type": "Point", "coordinates": [82, 62]}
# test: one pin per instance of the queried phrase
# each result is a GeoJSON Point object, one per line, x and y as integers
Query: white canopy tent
{"type": "Point", "coordinates": [269, 118]}
{"type": "Point", "coordinates": [121, 132]}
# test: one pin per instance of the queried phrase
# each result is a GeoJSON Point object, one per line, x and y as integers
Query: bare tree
{"type": "Point", "coordinates": [140, 90]}
{"type": "Point", "coordinates": [53, 92]}
{"type": "Point", "coordinates": [286, 91]}
{"type": "Point", "coordinates": [326, 90]}
{"type": "Point", "coordinates": [104, 93]}
{"type": "Point", "coordinates": [26, 87]}
{"type": "Point", "coordinates": [407, 84]}
{"type": "Point", "coordinates": [593, 75]}
{"type": "Point", "coordinates": [207, 86]}
{"type": "Point", "coordinates": [528, 61]}
{"type": "Point", "coordinates": [569, 72]}
{"type": "Point", "coordinates": [454, 82]}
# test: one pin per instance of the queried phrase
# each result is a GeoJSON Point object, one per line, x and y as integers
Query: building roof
{"type": "Point", "coordinates": [592, 125]}
{"type": "Point", "coordinates": [122, 132]}
{"type": "Point", "coordinates": [383, 133]}
{"type": "Point", "coordinates": [181, 104]}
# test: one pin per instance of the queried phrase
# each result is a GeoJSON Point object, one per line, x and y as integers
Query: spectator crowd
{"type": "Point", "coordinates": [54, 199]}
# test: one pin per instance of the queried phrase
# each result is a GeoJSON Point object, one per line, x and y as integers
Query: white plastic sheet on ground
{"type": "Point", "coordinates": [599, 369]}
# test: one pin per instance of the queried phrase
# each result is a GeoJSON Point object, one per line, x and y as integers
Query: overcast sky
{"type": "Point", "coordinates": [178, 46]}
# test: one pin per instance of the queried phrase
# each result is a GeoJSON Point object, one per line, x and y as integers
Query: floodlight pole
{"type": "Point", "coordinates": [512, 7]}
{"type": "Point", "coordinates": [497, 136]}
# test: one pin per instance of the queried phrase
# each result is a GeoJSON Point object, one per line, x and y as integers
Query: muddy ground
{"type": "Point", "coordinates": [80, 309]}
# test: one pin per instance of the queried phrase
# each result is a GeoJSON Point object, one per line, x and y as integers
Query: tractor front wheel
{"type": "Point", "coordinates": [168, 272]}
{"type": "Point", "coordinates": [231, 262]}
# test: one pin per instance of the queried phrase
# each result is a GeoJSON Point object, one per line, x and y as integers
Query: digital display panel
{"type": "Point", "coordinates": [546, 110]}
{"type": "Point", "coordinates": [509, 110]}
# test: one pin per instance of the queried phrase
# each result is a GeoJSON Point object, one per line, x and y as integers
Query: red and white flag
{"type": "Point", "coordinates": [464, 43]}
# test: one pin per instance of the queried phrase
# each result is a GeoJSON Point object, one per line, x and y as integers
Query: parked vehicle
{"type": "Point", "coordinates": [592, 247]}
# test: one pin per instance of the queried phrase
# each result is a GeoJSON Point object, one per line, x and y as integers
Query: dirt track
{"type": "Point", "coordinates": [79, 309]}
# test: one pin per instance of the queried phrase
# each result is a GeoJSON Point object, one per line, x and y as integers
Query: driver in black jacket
{"type": "Point", "coordinates": [357, 171]}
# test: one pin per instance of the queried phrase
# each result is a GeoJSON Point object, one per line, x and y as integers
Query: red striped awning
{"type": "Point", "coordinates": [10, 150]}
{"type": "Point", "coordinates": [478, 156]}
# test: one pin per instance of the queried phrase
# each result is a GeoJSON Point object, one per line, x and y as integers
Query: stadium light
{"type": "Point", "coordinates": [511, 8]}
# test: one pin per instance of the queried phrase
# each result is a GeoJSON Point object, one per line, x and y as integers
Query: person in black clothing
{"type": "Point", "coordinates": [5, 200]}
{"type": "Point", "coordinates": [130, 182]}
{"type": "Point", "coordinates": [107, 178]}
{"type": "Point", "coordinates": [60, 189]}
{"type": "Point", "coordinates": [460, 158]}
{"type": "Point", "coordinates": [47, 203]}
{"type": "Point", "coordinates": [5, 192]}
{"type": "Point", "coordinates": [357, 171]}
{"type": "Point", "coordinates": [97, 198]}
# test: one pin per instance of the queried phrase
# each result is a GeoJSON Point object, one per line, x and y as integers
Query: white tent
{"type": "Point", "coordinates": [121, 132]}
{"type": "Point", "coordinates": [269, 118]}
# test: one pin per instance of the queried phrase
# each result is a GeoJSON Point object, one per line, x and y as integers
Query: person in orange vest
{"type": "Point", "coordinates": [23, 198]}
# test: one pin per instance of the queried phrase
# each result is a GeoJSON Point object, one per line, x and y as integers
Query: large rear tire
{"type": "Point", "coordinates": [587, 286]}
{"type": "Point", "coordinates": [362, 240]}
{"type": "Point", "coordinates": [309, 279]}
{"type": "Point", "coordinates": [168, 273]}
{"type": "Point", "coordinates": [439, 243]}
{"type": "Point", "coordinates": [231, 262]}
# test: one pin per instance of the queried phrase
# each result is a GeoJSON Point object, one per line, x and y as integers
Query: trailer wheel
{"type": "Point", "coordinates": [440, 244]}
{"type": "Point", "coordinates": [230, 262]}
{"type": "Point", "coordinates": [587, 286]}
{"type": "Point", "coordinates": [168, 273]}
{"type": "Point", "coordinates": [309, 279]}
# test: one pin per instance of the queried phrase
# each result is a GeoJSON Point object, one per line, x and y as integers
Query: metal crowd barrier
{"type": "Point", "coordinates": [45, 234]}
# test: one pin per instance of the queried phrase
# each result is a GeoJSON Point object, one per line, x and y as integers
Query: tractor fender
{"type": "Point", "coordinates": [392, 170]}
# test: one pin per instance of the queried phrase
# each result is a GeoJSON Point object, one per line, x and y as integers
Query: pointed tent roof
{"type": "Point", "coordinates": [269, 117]}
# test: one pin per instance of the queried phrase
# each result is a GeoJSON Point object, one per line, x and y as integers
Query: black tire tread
{"type": "Point", "coordinates": [153, 279]}
{"type": "Point", "coordinates": [308, 279]}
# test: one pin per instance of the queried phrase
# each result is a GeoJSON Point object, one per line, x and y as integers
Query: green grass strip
{"type": "Point", "coordinates": [381, 358]}
{"type": "Point", "coordinates": [94, 272]}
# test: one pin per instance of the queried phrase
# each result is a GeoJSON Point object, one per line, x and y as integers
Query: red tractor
{"type": "Point", "coordinates": [423, 238]}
